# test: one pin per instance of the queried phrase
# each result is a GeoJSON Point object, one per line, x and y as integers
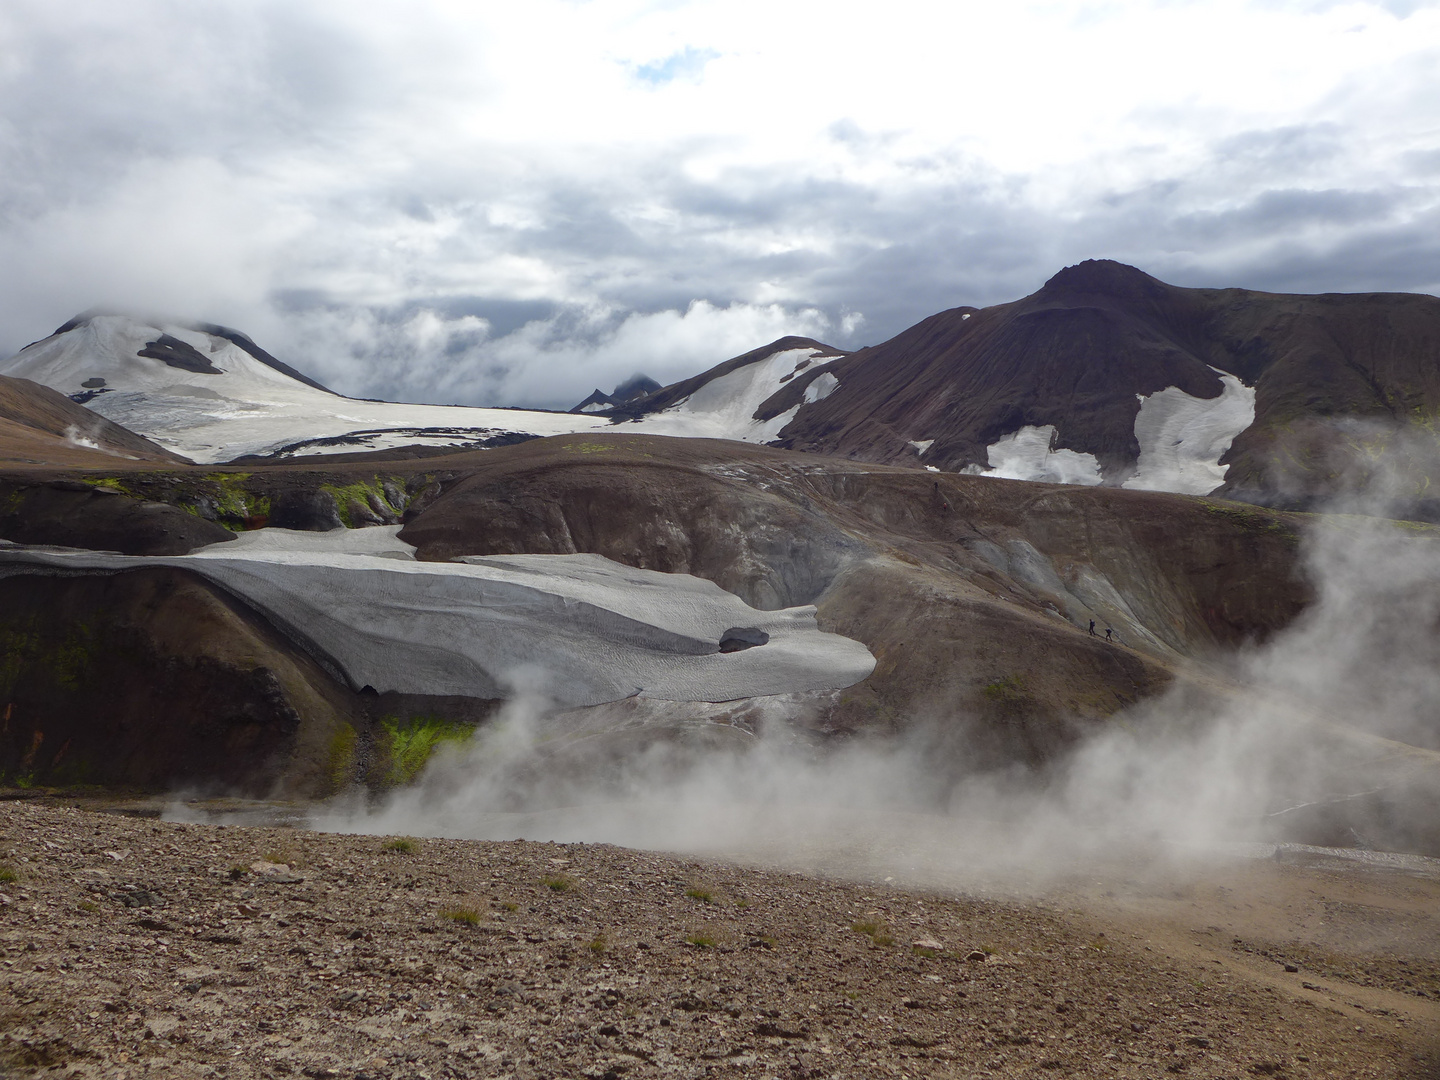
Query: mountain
{"type": "Point", "coordinates": [1107, 375]}
{"type": "Point", "coordinates": [212, 394]}
{"type": "Point", "coordinates": [725, 402]}
{"type": "Point", "coordinates": [632, 389]}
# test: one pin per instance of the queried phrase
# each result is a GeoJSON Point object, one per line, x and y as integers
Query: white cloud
{"type": "Point", "coordinates": [231, 160]}
{"type": "Point", "coordinates": [426, 356]}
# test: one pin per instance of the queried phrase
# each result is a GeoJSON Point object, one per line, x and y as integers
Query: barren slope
{"type": "Point", "coordinates": [40, 426]}
{"type": "Point", "coordinates": [185, 950]}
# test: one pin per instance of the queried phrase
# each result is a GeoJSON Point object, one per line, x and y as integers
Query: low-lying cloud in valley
{"type": "Point", "coordinates": [513, 205]}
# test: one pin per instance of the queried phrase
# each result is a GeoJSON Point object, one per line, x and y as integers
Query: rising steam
{"type": "Point", "coordinates": [1326, 734]}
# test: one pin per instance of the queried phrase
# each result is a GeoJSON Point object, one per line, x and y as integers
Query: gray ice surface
{"type": "Point", "coordinates": [577, 629]}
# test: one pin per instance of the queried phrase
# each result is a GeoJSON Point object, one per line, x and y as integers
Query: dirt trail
{"type": "Point", "coordinates": [138, 947]}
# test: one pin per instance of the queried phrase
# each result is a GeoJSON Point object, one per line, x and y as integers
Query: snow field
{"type": "Point", "coordinates": [1027, 455]}
{"type": "Point", "coordinates": [575, 629]}
{"type": "Point", "coordinates": [250, 408]}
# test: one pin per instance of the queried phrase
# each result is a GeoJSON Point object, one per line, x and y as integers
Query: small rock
{"type": "Point", "coordinates": [926, 943]}
{"type": "Point", "coordinates": [159, 1027]}
{"type": "Point", "coordinates": [738, 638]}
{"type": "Point", "coordinates": [1292, 967]}
{"type": "Point", "coordinates": [975, 956]}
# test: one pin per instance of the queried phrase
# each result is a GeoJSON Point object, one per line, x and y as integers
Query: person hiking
{"type": "Point", "coordinates": [1092, 627]}
{"type": "Point", "coordinates": [1108, 632]}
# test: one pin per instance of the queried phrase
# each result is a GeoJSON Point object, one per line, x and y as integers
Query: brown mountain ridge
{"type": "Point", "coordinates": [1330, 371]}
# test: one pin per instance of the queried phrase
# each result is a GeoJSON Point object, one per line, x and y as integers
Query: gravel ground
{"type": "Point", "coordinates": [133, 947]}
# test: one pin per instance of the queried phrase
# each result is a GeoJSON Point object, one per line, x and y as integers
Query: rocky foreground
{"type": "Point", "coordinates": [135, 947]}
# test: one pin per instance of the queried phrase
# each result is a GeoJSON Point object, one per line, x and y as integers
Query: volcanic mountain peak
{"type": "Point", "coordinates": [631, 390]}
{"type": "Point", "coordinates": [1151, 385]}
{"type": "Point", "coordinates": [1106, 277]}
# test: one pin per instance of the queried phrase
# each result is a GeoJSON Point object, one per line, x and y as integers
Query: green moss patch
{"type": "Point", "coordinates": [407, 745]}
{"type": "Point", "coordinates": [363, 493]}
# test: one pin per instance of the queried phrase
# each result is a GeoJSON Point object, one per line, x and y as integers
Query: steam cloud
{"type": "Point", "coordinates": [1325, 734]}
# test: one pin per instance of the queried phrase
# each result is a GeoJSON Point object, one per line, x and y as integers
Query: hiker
{"type": "Point", "coordinates": [1092, 628]}
{"type": "Point", "coordinates": [1108, 632]}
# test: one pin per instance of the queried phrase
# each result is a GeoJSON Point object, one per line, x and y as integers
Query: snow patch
{"type": "Point", "coordinates": [1182, 438]}
{"type": "Point", "coordinates": [821, 387]}
{"type": "Point", "coordinates": [577, 629]}
{"type": "Point", "coordinates": [724, 408]}
{"type": "Point", "coordinates": [1028, 454]}
{"type": "Point", "coordinates": [922, 445]}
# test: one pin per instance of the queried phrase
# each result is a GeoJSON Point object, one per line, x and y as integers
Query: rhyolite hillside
{"type": "Point", "coordinates": [974, 595]}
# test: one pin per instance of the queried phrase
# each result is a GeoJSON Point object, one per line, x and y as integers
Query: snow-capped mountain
{"type": "Point", "coordinates": [747, 398]}
{"type": "Point", "coordinates": [213, 395]}
{"type": "Point", "coordinates": [1104, 376]}
{"type": "Point", "coordinates": [631, 390]}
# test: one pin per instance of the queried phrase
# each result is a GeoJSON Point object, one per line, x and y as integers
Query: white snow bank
{"type": "Point", "coordinates": [1182, 438]}
{"type": "Point", "coordinates": [380, 541]}
{"type": "Point", "coordinates": [1027, 454]}
{"type": "Point", "coordinates": [579, 629]}
{"type": "Point", "coordinates": [247, 407]}
{"type": "Point", "coordinates": [922, 445]}
{"type": "Point", "coordinates": [724, 408]}
{"type": "Point", "coordinates": [821, 387]}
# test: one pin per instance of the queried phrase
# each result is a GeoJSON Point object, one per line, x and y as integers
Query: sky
{"type": "Point", "coordinates": [510, 203]}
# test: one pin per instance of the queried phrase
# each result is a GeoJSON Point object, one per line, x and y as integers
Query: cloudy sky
{"type": "Point", "coordinates": [515, 202]}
